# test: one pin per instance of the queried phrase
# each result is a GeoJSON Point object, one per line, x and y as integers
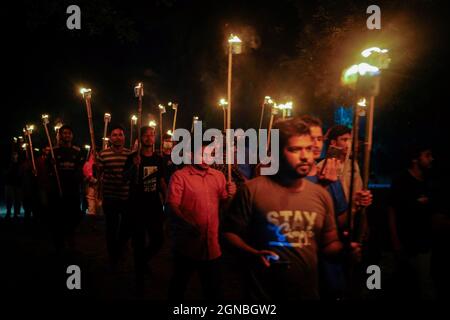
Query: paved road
{"type": "Point", "coordinates": [30, 267]}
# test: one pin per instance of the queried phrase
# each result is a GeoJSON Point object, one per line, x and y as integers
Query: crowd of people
{"type": "Point", "coordinates": [294, 231]}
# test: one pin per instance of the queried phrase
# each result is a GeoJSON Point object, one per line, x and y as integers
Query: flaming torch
{"type": "Point", "coordinates": [162, 109]}
{"type": "Point", "coordinates": [45, 123]}
{"type": "Point", "coordinates": [267, 102]}
{"type": "Point", "coordinates": [273, 113]}
{"type": "Point", "coordinates": [107, 119]}
{"type": "Point", "coordinates": [194, 120]}
{"type": "Point", "coordinates": [234, 47]}
{"type": "Point", "coordinates": [139, 93]}
{"type": "Point", "coordinates": [132, 123]}
{"type": "Point", "coordinates": [364, 78]}
{"type": "Point", "coordinates": [28, 131]}
{"type": "Point", "coordinates": [175, 108]}
{"type": "Point", "coordinates": [223, 103]}
{"type": "Point", "coordinates": [87, 93]}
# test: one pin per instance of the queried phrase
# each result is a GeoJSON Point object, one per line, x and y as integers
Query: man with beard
{"type": "Point", "coordinates": [282, 222]}
{"type": "Point", "coordinates": [411, 208]}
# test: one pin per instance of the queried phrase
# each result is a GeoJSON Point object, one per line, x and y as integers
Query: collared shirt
{"type": "Point", "coordinates": [197, 193]}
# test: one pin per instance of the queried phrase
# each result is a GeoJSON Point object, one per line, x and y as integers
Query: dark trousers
{"type": "Point", "coordinates": [118, 227]}
{"type": "Point", "coordinates": [65, 216]}
{"type": "Point", "coordinates": [147, 238]}
{"type": "Point", "coordinates": [13, 195]}
{"type": "Point", "coordinates": [210, 277]}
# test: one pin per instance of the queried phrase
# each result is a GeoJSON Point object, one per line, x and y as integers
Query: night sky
{"type": "Point", "coordinates": [293, 50]}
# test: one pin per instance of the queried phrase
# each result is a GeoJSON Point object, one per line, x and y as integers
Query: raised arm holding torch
{"type": "Point", "coordinates": [107, 119]}
{"type": "Point", "coordinates": [58, 181]}
{"type": "Point", "coordinates": [364, 78]}
{"type": "Point", "coordinates": [139, 93]}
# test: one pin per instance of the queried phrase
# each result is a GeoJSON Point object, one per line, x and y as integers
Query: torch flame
{"type": "Point", "coordinates": [223, 102]}
{"type": "Point", "coordinates": [162, 109]}
{"type": "Point", "coordinates": [234, 39]}
{"type": "Point", "coordinates": [152, 124]}
{"type": "Point", "coordinates": [169, 132]}
{"type": "Point", "coordinates": [362, 69]}
{"type": "Point", "coordinates": [362, 102]}
{"type": "Point", "coordinates": [367, 52]}
{"type": "Point", "coordinates": [268, 100]}
{"type": "Point", "coordinates": [58, 126]}
{"type": "Point", "coordinates": [85, 90]}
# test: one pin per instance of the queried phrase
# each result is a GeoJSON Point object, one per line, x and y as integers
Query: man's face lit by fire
{"type": "Point", "coordinates": [148, 138]}
{"type": "Point", "coordinates": [66, 136]}
{"type": "Point", "coordinates": [344, 142]}
{"type": "Point", "coordinates": [298, 155]}
{"type": "Point", "coordinates": [317, 141]}
{"type": "Point", "coordinates": [117, 138]}
{"type": "Point", "coordinates": [201, 158]}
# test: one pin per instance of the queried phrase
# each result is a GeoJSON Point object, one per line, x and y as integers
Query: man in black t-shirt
{"type": "Point", "coordinates": [169, 166]}
{"type": "Point", "coordinates": [410, 218]}
{"type": "Point", "coordinates": [66, 209]}
{"type": "Point", "coordinates": [145, 202]}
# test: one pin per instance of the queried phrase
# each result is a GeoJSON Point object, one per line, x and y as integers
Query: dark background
{"type": "Point", "coordinates": [293, 50]}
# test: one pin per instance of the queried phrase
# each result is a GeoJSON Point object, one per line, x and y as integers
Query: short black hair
{"type": "Point", "coordinates": [413, 152]}
{"type": "Point", "coordinates": [167, 136]}
{"type": "Point", "coordinates": [311, 121]}
{"type": "Point", "coordinates": [290, 128]}
{"type": "Point", "coordinates": [144, 129]}
{"type": "Point", "coordinates": [115, 127]}
{"type": "Point", "coordinates": [336, 131]}
{"type": "Point", "coordinates": [65, 127]}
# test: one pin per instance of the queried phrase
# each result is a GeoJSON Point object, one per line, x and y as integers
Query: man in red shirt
{"type": "Point", "coordinates": [194, 198]}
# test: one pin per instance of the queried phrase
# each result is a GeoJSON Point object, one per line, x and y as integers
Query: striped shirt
{"type": "Point", "coordinates": [115, 186]}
